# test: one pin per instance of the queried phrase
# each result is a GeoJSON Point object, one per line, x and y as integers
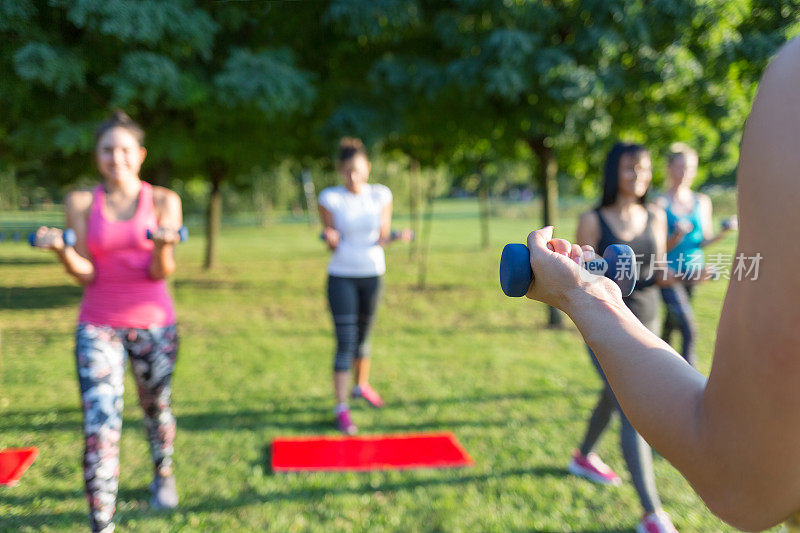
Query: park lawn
{"type": "Point", "coordinates": [255, 361]}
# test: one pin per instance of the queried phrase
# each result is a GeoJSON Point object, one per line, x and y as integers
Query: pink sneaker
{"type": "Point", "coordinates": [592, 468]}
{"type": "Point", "coordinates": [657, 522]}
{"type": "Point", "coordinates": [369, 394]}
{"type": "Point", "coordinates": [345, 424]}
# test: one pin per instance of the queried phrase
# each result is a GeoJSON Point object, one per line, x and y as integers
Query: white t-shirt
{"type": "Point", "coordinates": [357, 218]}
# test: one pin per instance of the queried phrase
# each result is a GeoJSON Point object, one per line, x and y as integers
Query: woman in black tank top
{"type": "Point", "coordinates": [644, 300]}
{"type": "Point", "coordinates": [623, 218]}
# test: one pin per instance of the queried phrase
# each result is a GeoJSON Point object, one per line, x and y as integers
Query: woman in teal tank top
{"type": "Point", "coordinates": [690, 230]}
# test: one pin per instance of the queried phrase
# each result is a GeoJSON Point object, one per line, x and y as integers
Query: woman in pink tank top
{"type": "Point", "coordinates": [126, 311]}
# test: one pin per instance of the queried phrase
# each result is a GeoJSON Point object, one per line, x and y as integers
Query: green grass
{"type": "Point", "coordinates": [255, 364]}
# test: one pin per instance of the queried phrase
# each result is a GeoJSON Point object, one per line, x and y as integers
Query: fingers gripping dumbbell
{"type": "Point", "coordinates": [618, 264]}
{"type": "Point", "coordinates": [68, 236]}
{"type": "Point", "coordinates": [183, 234]}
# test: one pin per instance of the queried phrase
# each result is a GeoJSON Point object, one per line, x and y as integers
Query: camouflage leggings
{"type": "Point", "coordinates": [100, 353]}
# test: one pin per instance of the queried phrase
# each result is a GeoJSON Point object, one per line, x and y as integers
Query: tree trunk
{"type": "Point", "coordinates": [425, 237]}
{"type": "Point", "coordinates": [485, 214]}
{"type": "Point", "coordinates": [310, 195]}
{"type": "Point", "coordinates": [413, 206]}
{"type": "Point", "coordinates": [216, 173]}
{"type": "Point", "coordinates": [262, 201]}
{"type": "Point", "coordinates": [546, 173]}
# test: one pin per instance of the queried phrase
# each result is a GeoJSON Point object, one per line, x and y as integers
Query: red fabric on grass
{"type": "Point", "coordinates": [376, 452]}
{"type": "Point", "coordinates": [14, 462]}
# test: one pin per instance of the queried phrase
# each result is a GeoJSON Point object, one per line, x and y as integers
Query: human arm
{"type": "Point", "coordinates": [709, 237]}
{"type": "Point", "coordinates": [329, 233]}
{"type": "Point", "coordinates": [75, 259]}
{"type": "Point", "coordinates": [735, 435]}
{"type": "Point", "coordinates": [663, 276]}
{"type": "Point", "coordinates": [588, 233]}
{"type": "Point", "coordinates": [679, 231]}
{"type": "Point", "coordinates": [169, 217]}
{"type": "Point", "coordinates": [682, 227]}
{"type": "Point", "coordinates": [385, 237]}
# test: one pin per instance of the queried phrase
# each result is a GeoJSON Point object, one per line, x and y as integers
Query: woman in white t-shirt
{"type": "Point", "coordinates": [357, 218]}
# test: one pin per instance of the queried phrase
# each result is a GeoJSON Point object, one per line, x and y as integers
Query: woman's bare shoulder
{"type": "Point", "coordinates": [79, 200]}
{"type": "Point", "coordinates": [163, 195]}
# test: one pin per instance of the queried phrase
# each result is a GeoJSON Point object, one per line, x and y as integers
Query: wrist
{"type": "Point", "coordinates": [598, 296]}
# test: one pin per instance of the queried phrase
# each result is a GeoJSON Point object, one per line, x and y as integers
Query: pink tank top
{"type": "Point", "coordinates": [122, 294]}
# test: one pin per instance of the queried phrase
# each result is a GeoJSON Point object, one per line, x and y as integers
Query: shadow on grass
{"type": "Point", "coordinates": [211, 284]}
{"type": "Point", "coordinates": [71, 520]}
{"type": "Point", "coordinates": [262, 286]}
{"type": "Point", "coordinates": [320, 411]}
{"type": "Point", "coordinates": [138, 496]}
{"type": "Point", "coordinates": [70, 418]}
{"type": "Point", "coordinates": [61, 419]}
{"type": "Point", "coordinates": [368, 486]}
{"type": "Point", "coordinates": [325, 404]}
{"type": "Point", "coordinates": [253, 419]}
{"type": "Point", "coordinates": [53, 420]}
{"type": "Point", "coordinates": [19, 261]}
{"type": "Point", "coordinates": [67, 521]}
{"type": "Point", "coordinates": [39, 297]}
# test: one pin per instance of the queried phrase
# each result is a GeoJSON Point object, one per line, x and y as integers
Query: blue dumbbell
{"type": "Point", "coordinates": [183, 234]}
{"type": "Point", "coordinates": [618, 264]}
{"type": "Point", "coordinates": [730, 222]}
{"type": "Point", "coordinates": [68, 236]}
{"type": "Point", "coordinates": [394, 235]}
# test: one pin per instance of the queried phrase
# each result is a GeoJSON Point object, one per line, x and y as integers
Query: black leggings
{"type": "Point", "coordinates": [353, 302]}
{"type": "Point", "coordinates": [678, 298]}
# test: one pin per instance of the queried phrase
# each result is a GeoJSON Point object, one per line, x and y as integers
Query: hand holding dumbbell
{"type": "Point", "coordinates": [618, 264]}
{"type": "Point", "coordinates": [164, 236]}
{"type": "Point", "coordinates": [405, 235]}
{"type": "Point", "coordinates": [52, 238]}
{"type": "Point", "coordinates": [730, 223]}
{"type": "Point", "coordinates": [332, 237]}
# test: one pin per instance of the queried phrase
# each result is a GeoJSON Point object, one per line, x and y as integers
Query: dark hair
{"type": "Point", "coordinates": [119, 119]}
{"type": "Point", "coordinates": [611, 171]}
{"type": "Point", "coordinates": [350, 147]}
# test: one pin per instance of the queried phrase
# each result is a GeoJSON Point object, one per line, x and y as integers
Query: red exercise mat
{"type": "Point", "coordinates": [14, 462]}
{"type": "Point", "coordinates": [376, 452]}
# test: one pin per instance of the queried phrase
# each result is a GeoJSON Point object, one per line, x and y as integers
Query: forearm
{"type": "Point", "coordinates": [669, 404]}
{"type": "Point", "coordinates": [673, 240]}
{"type": "Point", "coordinates": [385, 240]}
{"type": "Point", "coordinates": [661, 394]}
{"type": "Point", "coordinates": [658, 390]}
{"type": "Point", "coordinates": [162, 264]}
{"type": "Point", "coordinates": [76, 265]}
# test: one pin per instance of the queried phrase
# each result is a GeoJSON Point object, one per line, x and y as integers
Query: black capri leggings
{"type": "Point", "coordinates": [353, 303]}
{"type": "Point", "coordinates": [680, 316]}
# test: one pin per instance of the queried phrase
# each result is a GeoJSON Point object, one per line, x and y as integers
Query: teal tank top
{"type": "Point", "coordinates": [687, 254]}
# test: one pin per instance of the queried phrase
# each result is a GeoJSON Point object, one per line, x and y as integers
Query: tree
{"type": "Point", "coordinates": [567, 78]}
{"type": "Point", "coordinates": [207, 90]}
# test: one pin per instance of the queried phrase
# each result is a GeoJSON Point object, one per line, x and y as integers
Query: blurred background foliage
{"type": "Point", "coordinates": [492, 98]}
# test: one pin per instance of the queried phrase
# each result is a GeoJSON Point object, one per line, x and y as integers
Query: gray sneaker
{"type": "Point", "coordinates": [164, 493]}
